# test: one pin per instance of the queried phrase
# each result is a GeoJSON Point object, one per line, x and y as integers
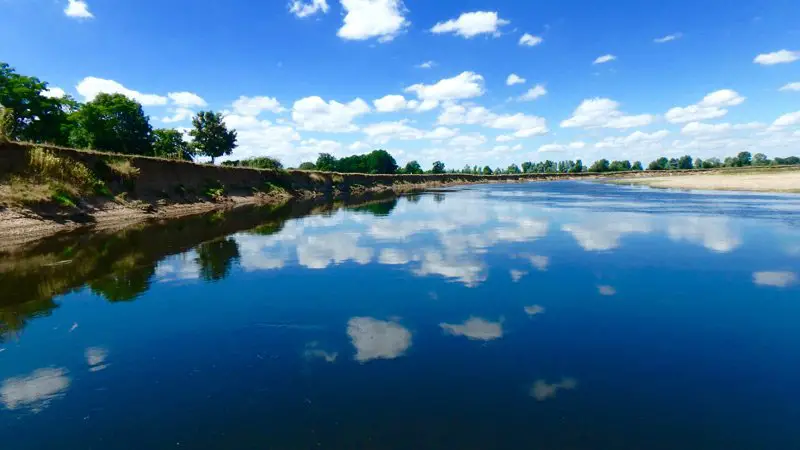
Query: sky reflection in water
{"type": "Point", "coordinates": [566, 315]}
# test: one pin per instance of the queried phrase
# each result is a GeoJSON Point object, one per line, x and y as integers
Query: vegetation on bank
{"type": "Point", "coordinates": [115, 123]}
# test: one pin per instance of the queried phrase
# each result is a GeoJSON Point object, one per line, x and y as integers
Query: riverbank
{"type": "Point", "coordinates": [753, 180]}
{"type": "Point", "coordinates": [47, 190]}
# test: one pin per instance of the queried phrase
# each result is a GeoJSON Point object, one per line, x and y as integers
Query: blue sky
{"type": "Point", "coordinates": [296, 78]}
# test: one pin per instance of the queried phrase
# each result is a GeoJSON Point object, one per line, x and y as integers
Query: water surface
{"type": "Point", "coordinates": [544, 315]}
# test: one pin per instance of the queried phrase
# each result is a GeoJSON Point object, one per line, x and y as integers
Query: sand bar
{"type": "Point", "coordinates": [783, 181]}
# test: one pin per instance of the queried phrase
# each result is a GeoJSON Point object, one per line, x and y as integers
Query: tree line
{"type": "Point", "coordinates": [116, 123]}
{"type": "Point", "coordinates": [109, 122]}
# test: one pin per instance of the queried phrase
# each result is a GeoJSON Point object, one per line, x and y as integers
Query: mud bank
{"type": "Point", "coordinates": [124, 190]}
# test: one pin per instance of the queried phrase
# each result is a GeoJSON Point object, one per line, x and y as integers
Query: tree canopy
{"type": "Point", "coordinates": [168, 143]}
{"type": "Point", "coordinates": [112, 122]}
{"type": "Point", "coordinates": [210, 135]}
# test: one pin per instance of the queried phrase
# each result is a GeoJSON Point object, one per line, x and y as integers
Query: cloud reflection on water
{"type": "Point", "coordinates": [36, 390]}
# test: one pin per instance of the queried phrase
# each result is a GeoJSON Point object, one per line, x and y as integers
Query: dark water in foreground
{"type": "Point", "coordinates": [546, 316]}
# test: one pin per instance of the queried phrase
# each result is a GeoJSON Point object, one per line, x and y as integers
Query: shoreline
{"type": "Point", "coordinates": [782, 181]}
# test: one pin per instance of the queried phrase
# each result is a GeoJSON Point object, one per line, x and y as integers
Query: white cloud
{"type": "Point", "coordinates": [791, 87]}
{"type": "Point", "coordinates": [253, 106]}
{"type": "Point", "coordinates": [468, 140]}
{"type": "Point", "coordinates": [606, 290]}
{"type": "Point", "coordinates": [383, 132]}
{"type": "Point", "coordinates": [712, 233]}
{"type": "Point", "coordinates": [605, 234]}
{"type": "Point", "coordinates": [529, 40]}
{"type": "Point", "coordinates": [555, 148]}
{"type": "Point", "coordinates": [315, 114]}
{"type": "Point", "coordinates": [604, 59]}
{"type": "Point", "coordinates": [541, 390]}
{"type": "Point", "coordinates": [524, 125]}
{"type": "Point", "coordinates": [541, 263]}
{"type": "Point", "coordinates": [604, 113]}
{"type": "Point", "coordinates": [427, 65]}
{"type": "Point", "coordinates": [637, 139]}
{"type": "Point", "coordinates": [390, 103]}
{"type": "Point", "coordinates": [533, 93]}
{"type": "Point", "coordinates": [261, 137]}
{"type": "Point", "coordinates": [78, 9]}
{"type": "Point", "coordinates": [320, 251]}
{"type": "Point", "coordinates": [712, 106]}
{"type": "Point", "coordinates": [471, 24]}
{"type": "Point", "coordinates": [516, 275]}
{"type": "Point", "coordinates": [668, 38]}
{"type": "Point", "coordinates": [187, 99]}
{"type": "Point", "coordinates": [463, 86]}
{"type": "Point", "coordinates": [90, 87]}
{"type": "Point", "coordinates": [303, 9]}
{"type": "Point", "coordinates": [313, 352]}
{"type": "Point", "coordinates": [54, 92]}
{"type": "Point", "coordinates": [534, 310]}
{"type": "Point", "coordinates": [786, 120]}
{"type": "Point", "coordinates": [779, 57]}
{"type": "Point", "coordinates": [377, 339]}
{"type": "Point", "coordinates": [442, 133]}
{"type": "Point", "coordinates": [96, 358]}
{"type": "Point", "coordinates": [34, 391]}
{"type": "Point", "coordinates": [504, 138]}
{"type": "Point", "coordinates": [775, 279]}
{"type": "Point", "coordinates": [514, 79]}
{"type": "Point", "coordinates": [179, 115]}
{"type": "Point", "coordinates": [475, 329]}
{"type": "Point", "coordinates": [365, 19]}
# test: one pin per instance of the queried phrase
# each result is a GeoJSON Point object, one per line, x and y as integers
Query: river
{"type": "Point", "coordinates": [564, 315]}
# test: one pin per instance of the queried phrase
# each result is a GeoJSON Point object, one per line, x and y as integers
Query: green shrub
{"type": "Point", "coordinates": [46, 165]}
{"type": "Point", "coordinates": [6, 124]}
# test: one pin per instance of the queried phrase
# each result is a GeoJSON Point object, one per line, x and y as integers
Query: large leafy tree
{"type": "Point", "coordinates": [38, 116]}
{"type": "Point", "coordinates": [211, 137]}
{"type": "Point", "coordinates": [380, 161]}
{"type": "Point", "coordinates": [326, 162]}
{"type": "Point", "coordinates": [601, 165]}
{"type": "Point", "coordinates": [413, 167]}
{"type": "Point", "coordinates": [438, 167]}
{"type": "Point", "coordinates": [168, 143]}
{"type": "Point", "coordinates": [112, 122]}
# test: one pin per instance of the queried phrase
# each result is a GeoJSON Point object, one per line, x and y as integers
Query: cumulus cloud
{"type": "Point", "coordinates": [514, 79]}
{"type": "Point", "coordinates": [90, 87]}
{"type": "Point", "coordinates": [712, 106]}
{"type": "Point", "coordinates": [187, 99]}
{"type": "Point", "coordinates": [377, 339]}
{"type": "Point", "coordinates": [78, 9]}
{"type": "Point", "coordinates": [775, 279]}
{"type": "Point", "coordinates": [523, 125]}
{"type": "Point", "coordinates": [786, 120]}
{"type": "Point", "coordinates": [303, 9]}
{"type": "Point", "coordinates": [475, 329]}
{"type": "Point", "coordinates": [390, 103]}
{"type": "Point", "coordinates": [604, 59]}
{"type": "Point", "coordinates": [795, 86]}
{"type": "Point", "coordinates": [705, 129]}
{"type": "Point", "coordinates": [315, 114]}
{"type": "Point", "coordinates": [469, 25]}
{"type": "Point", "coordinates": [529, 40]}
{"type": "Point", "coordinates": [262, 137]}
{"type": "Point", "coordinates": [715, 234]}
{"type": "Point", "coordinates": [34, 391]}
{"type": "Point", "coordinates": [780, 57]}
{"type": "Point", "coordinates": [253, 106]}
{"type": "Point", "coordinates": [463, 86]}
{"type": "Point", "coordinates": [54, 92]}
{"type": "Point", "coordinates": [604, 113]}
{"type": "Point", "coordinates": [427, 65]}
{"type": "Point", "coordinates": [534, 310]}
{"type": "Point", "coordinates": [541, 390]}
{"type": "Point", "coordinates": [557, 148]}
{"type": "Point", "coordinates": [637, 139]}
{"type": "Point", "coordinates": [533, 93]}
{"type": "Point", "coordinates": [668, 38]}
{"type": "Point", "coordinates": [320, 251]}
{"type": "Point", "coordinates": [366, 19]}
{"type": "Point", "coordinates": [605, 233]}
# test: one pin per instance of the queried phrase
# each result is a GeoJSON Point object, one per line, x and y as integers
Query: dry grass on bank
{"type": "Point", "coordinates": [744, 180]}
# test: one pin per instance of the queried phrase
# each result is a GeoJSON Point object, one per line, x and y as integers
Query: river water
{"type": "Point", "coordinates": [546, 315]}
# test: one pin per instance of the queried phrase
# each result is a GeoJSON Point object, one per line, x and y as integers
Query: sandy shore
{"type": "Point", "coordinates": [783, 181]}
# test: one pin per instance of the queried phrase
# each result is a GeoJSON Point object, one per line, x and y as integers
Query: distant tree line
{"type": "Point", "coordinates": [110, 122]}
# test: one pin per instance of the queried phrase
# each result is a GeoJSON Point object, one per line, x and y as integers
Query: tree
{"type": "Point", "coordinates": [487, 170]}
{"type": "Point", "coordinates": [168, 143]}
{"type": "Point", "coordinates": [38, 116]}
{"type": "Point", "coordinates": [685, 162]}
{"type": "Point", "coordinates": [637, 166]}
{"type": "Point", "coordinates": [601, 165]}
{"type": "Point", "coordinates": [114, 123]}
{"type": "Point", "coordinates": [578, 167]}
{"type": "Point", "coordinates": [760, 159]}
{"type": "Point", "coordinates": [712, 163]}
{"type": "Point", "coordinates": [744, 159]}
{"type": "Point", "coordinates": [326, 162]}
{"type": "Point", "coordinates": [258, 162]}
{"type": "Point", "coordinates": [438, 167]}
{"type": "Point", "coordinates": [216, 258]}
{"type": "Point", "coordinates": [527, 166]}
{"type": "Point", "coordinates": [210, 135]}
{"type": "Point", "coordinates": [620, 166]}
{"type": "Point", "coordinates": [659, 164]}
{"type": "Point", "coordinates": [698, 163]}
{"type": "Point", "coordinates": [413, 167]}
{"type": "Point", "coordinates": [513, 168]}
{"type": "Point", "coordinates": [380, 161]}
{"type": "Point", "coordinates": [307, 166]}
